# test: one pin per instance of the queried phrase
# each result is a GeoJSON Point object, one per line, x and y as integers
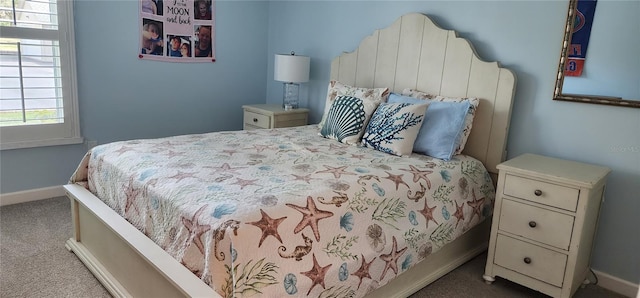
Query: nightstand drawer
{"type": "Point", "coordinates": [541, 192]}
{"type": "Point", "coordinates": [531, 260]}
{"type": "Point", "coordinates": [289, 120]}
{"type": "Point", "coordinates": [272, 116]}
{"type": "Point", "coordinates": [256, 120]}
{"type": "Point", "coordinates": [537, 224]}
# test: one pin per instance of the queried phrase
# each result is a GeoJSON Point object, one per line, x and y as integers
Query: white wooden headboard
{"type": "Point", "coordinates": [415, 53]}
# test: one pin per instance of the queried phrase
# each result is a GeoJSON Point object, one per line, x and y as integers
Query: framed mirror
{"type": "Point", "coordinates": [622, 72]}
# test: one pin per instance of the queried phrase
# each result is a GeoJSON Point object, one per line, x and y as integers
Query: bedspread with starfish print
{"type": "Point", "coordinates": [285, 212]}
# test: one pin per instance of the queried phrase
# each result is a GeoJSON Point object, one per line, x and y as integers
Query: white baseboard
{"type": "Point", "coordinates": [31, 195]}
{"type": "Point", "coordinates": [616, 284]}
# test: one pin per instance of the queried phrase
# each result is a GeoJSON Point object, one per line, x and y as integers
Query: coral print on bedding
{"type": "Point", "coordinates": [285, 212]}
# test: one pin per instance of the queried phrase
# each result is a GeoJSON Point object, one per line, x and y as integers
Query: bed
{"type": "Point", "coordinates": [285, 212]}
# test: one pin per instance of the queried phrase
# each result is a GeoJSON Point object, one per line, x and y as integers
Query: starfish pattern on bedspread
{"type": "Point", "coordinates": [305, 178]}
{"type": "Point", "coordinates": [363, 271]}
{"type": "Point", "coordinates": [182, 175]}
{"type": "Point", "coordinates": [224, 168]}
{"type": "Point", "coordinates": [316, 274]}
{"type": "Point", "coordinates": [397, 179]}
{"type": "Point", "coordinates": [196, 229]}
{"type": "Point", "coordinates": [476, 205]}
{"type": "Point", "coordinates": [268, 225]}
{"type": "Point", "coordinates": [131, 194]}
{"type": "Point", "coordinates": [336, 171]}
{"type": "Point", "coordinates": [310, 217]}
{"type": "Point", "coordinates": [391, 258]}
{"type": "Point", "coordinates": [243, 182]}
{"type": "Point", "coordinates": [418, 174]}
{"type": "Point", "coordinates": [428, 213]}
{"type": "Point", "coordinates": [124, 149]}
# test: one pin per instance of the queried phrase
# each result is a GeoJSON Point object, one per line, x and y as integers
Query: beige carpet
{"type": "Point", "coordinates": [35, 263]}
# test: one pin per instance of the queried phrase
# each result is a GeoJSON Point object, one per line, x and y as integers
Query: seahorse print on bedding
{"type": "Point", "coordinates": [418, 193]}
{"type": "Point", "coordinates": [335, 200]}
{"type": "Point", "coordinates": [218, 235]}
{"type": "Point", "coordinates": [299, 252]}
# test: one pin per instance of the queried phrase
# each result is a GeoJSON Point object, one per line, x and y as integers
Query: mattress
{"type": "Point", "coordinates": [286, 212]}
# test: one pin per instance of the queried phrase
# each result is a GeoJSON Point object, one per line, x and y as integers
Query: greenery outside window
{"type": "Point", "coordinates": [38, 95]}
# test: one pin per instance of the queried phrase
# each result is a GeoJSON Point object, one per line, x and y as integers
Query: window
{"type": "Point", "coordinates": [38, 97]}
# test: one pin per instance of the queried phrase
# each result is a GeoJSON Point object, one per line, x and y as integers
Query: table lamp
{"type": "Point", "coordinates": [292, 70]}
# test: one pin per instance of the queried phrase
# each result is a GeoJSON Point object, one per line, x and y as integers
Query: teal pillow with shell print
{"type": "Point", "coordinates": [346, 120]}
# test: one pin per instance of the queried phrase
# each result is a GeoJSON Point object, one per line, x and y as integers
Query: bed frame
{"type": "Point", "coordinates": [411, 53]}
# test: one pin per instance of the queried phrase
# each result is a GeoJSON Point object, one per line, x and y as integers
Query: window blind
{"type": "Point", "coordinates": [37, 73]}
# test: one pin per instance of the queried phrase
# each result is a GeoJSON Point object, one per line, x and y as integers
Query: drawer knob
{"type": "Point", "coordinates": [532, 224]}
{"type": "Point", "coordinates": [527, 260]}
{"type": "Point", "coordinates": [255, 119]}
{"type": "Point", "coordinates": [537, 192]}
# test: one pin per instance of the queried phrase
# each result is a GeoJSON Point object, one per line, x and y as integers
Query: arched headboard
{"type": "Point", "coordinates": [415, 53]}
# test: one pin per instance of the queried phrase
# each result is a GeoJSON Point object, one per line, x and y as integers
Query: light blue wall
{"type": "Point", "coordinates": [122, 97]}
{"type": "Point", "coordinates": [524, 36]}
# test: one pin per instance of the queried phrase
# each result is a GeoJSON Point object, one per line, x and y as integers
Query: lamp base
{"type": "Point", "coordinates": [290, 98]}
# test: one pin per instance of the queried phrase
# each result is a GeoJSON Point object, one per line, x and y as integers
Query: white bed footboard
{"type": "Point", "coordinates": [122, 258]}
{"type": "Point", "coordinates": [128, 264]}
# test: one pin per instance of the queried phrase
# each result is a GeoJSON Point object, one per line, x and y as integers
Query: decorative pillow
{"type": "Point", "coordinates": [346, 119]}
{"type": "Point", "coordinates": [468, 120]}
{"type": "Point", "coordinates": [394, 127]}
{"type": "Point", "coordinates": [441, 128]}
{"type": "Point", "coordinates": [370, 96]}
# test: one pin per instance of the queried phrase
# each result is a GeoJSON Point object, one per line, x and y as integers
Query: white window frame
{"type": "Point", "coordinates": [27, 136]}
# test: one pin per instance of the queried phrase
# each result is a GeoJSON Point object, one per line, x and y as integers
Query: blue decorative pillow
{"type": "Point", "coordinates": [393, 128]}
{"type": "Point", "coordinates": [345, 120]}
{"type": "Point", "coordinates": [442, 126]}
{"type": "Point", "coordinates": [468, 120]}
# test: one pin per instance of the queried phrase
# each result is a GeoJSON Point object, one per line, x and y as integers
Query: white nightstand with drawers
{"type": "Point", "coordinates": [544, 221]}
{"type": "Point", "coordinates": [272, 116]}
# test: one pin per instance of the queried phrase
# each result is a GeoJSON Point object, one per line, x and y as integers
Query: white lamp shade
{"type": "Point", "coordinates": [291, 68]}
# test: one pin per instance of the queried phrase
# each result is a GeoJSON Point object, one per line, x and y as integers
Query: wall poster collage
{"type": "Point", "coordinates": [177, 30]}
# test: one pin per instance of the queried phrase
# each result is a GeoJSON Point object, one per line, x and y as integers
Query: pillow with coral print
{"type": "Point", "coordinates": [394, 127]}
{"type": "Point", "coordinates": [370, 96]}
{"type": "Point", "coordinates": [468, 120]}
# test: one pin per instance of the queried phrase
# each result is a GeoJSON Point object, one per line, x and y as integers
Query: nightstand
{"type": "Point", "coordinates": [544, 221]}
{"type": "Point", "coordinates": [272, 116]}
